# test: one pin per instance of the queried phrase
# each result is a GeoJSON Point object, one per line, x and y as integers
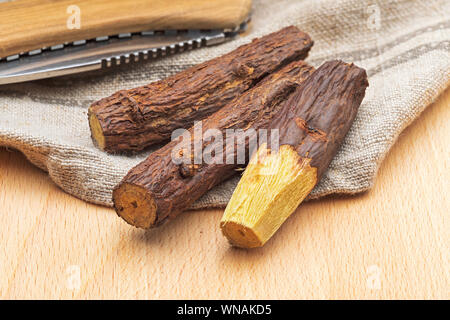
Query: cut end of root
{"type": "Point", "coordinates": [239, 235]}
{"type": "Point", "coordinates": [272, 187]}
{"type": "Point", "coordinates": [135, 205]}
{"type": "Point", "coordinates": [96, 131]}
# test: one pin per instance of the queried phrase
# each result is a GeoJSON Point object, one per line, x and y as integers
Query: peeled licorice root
{"type": "Point", "coordinates": [312, 127]}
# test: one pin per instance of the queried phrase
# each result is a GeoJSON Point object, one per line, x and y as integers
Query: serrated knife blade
{"type": "Point", "coordinates": [98, 53]}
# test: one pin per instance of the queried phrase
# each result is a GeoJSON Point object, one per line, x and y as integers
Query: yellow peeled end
{"type": "Point", "coordinates": [271, 188]}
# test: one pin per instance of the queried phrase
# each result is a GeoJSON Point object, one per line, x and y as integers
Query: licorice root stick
{"type": "Point", "coordinates": [159, 188]}
{"type": "Point", "coordinates": [312, 126]}
{"type": "Point", "coordinates": [131, 120]}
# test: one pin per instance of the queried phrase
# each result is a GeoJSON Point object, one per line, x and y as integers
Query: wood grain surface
{"type": "Point", "coordinates": [47, 20]}
{"type": "Point", "coordinates": [391, 242]}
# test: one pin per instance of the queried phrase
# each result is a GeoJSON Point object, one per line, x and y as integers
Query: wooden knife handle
{"type": "Point", "coordinates": [32, 24]}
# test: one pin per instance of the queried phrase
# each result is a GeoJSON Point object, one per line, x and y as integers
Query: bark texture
{"type": "Point", "coordinates": [131, 120]}
{"type": "Point", "coordinates": [320, 113]}
{"type": "Point", "coordinates": [312, 125]}
{"type": "Point", "coordinates": [158, 188]}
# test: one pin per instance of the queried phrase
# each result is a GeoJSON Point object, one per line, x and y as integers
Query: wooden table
{"type": "Point", "coordinates": [391, 242]}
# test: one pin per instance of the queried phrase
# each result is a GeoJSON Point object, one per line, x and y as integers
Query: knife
{"type": "Point", "coordinates": [43, 38]}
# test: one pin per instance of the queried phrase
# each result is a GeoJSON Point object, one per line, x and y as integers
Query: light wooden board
{"type": "Point", "coordinates": [391, 242]}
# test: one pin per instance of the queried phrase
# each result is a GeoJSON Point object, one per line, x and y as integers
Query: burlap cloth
{"type": "Point", "coordinates": [403, 45]}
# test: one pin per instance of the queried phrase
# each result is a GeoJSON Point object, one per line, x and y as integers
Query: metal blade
{"type": "Point", "coordinates": [89, 55]}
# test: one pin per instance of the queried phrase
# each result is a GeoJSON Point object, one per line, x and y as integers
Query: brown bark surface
{"type": "Point", "coordinates": [131, 120]}
{"type": "Point", "coordinates": [312, 125]}
{"type": "Point", "coordinates": [158, 188]}
{"type": "Point", "coordinates": [321, 112]}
